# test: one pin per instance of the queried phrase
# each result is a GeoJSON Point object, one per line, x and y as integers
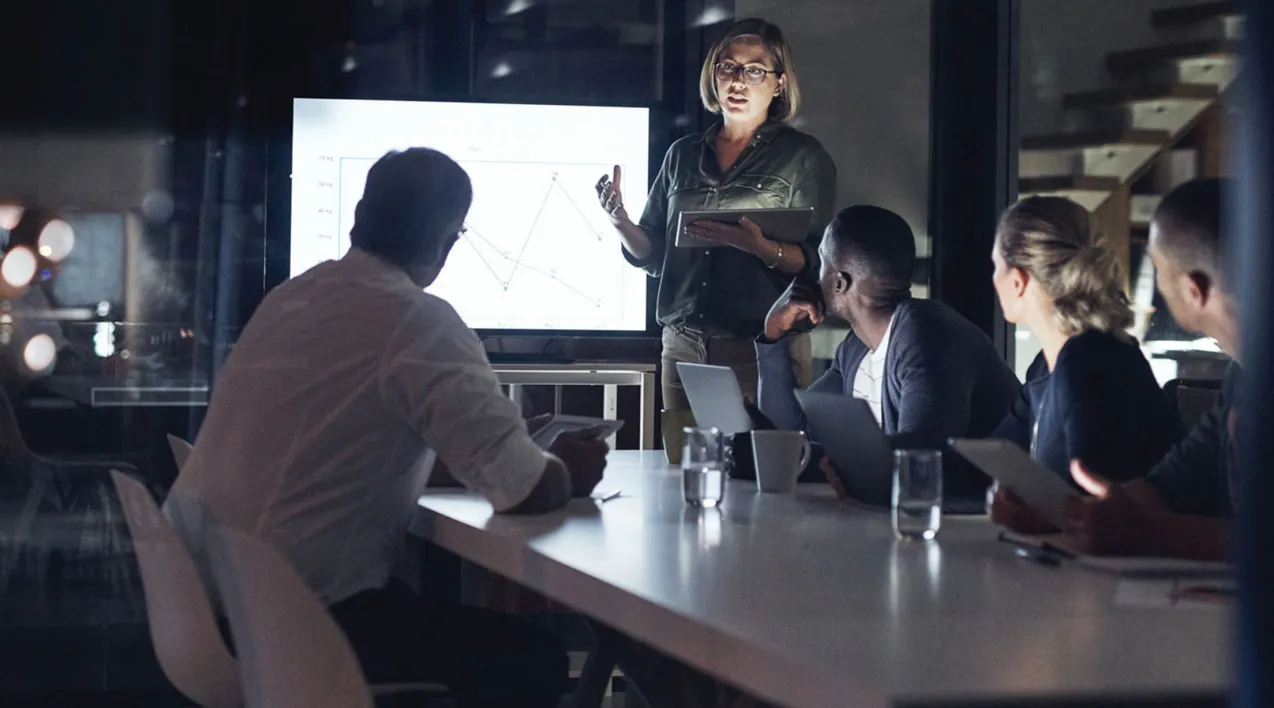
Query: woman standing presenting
{"type": "Point", "coordinates": [712, 301]}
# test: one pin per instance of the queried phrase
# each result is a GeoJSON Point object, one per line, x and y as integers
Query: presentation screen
{"type": "Point", "coordinates": [538, 252]}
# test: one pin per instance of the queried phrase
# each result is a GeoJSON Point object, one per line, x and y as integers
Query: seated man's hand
{"type": "Point", "coordinates": [800, 300]}
{"type": "Point", "coordinates": [1111, 521]}
{"type": "Point", "coordinates": [584, 454]}
{"type": "Point", "coordinates": [1009, 511]}
{"type": "Point", "coordinates": [829, 471]}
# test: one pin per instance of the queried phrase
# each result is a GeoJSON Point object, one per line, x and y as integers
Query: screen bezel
{"type": "Point", "coordinates": [278, 202]}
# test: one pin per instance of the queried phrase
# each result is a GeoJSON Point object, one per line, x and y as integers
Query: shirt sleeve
{"type": "Point", "coordinates": [436, 375]}
{"type": "Point", "coordinates": [1020, 420]}
{"type": "Point", "coordinates": [776, 391]}
{"type": "Point", "coordinates": [816, 188]}
{"type": "Point", "coordinates": [936, 395]}
{"type": "Point", "coordinates": [654, 221]}
{"type": "Point", "coordinates": [1016, 426]}
{"type": "Point", "coordinates": [1188, 479]}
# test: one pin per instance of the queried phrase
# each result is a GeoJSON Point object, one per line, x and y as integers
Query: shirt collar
{"type": "Point", "coordinates": [765, 133]}
{"type": "Point", "coordinates": [376, 266]}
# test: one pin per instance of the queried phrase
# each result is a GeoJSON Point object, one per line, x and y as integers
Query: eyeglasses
{"type": "Point", "coordinates": [727, 70]}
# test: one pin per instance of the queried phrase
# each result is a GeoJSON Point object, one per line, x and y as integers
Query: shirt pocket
{"type": "Point", "coordinates": [759, 191]}
{"type": "Point", "coordinates": [688, 194]}
{"type": "Point", "coordinates": [686, 185]}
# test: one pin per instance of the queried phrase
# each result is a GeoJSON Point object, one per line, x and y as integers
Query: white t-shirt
{"type": "Point", "coordinates": [869, 381]}
{"type": "Point", "coordinates": [318, 434]}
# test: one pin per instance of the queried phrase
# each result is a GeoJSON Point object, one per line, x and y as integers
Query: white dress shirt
{"type": "Point", "coordinates": [319, 432]}
{"type": "Point", "coordinates": [869, 381]}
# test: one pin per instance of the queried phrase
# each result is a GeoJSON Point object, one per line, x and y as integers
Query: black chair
{"type": "Point", "coordinates": [1193, 398]}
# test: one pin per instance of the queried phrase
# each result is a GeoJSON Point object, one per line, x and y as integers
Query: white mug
{"type": "Point", "coordinates": [779, 456]}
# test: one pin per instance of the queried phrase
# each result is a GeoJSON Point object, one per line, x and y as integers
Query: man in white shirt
{"type": "Point", "coordinates": [322, 428]}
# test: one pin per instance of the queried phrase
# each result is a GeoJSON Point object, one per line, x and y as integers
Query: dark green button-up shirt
{"type": "Point", "coordinates": [724, 291]}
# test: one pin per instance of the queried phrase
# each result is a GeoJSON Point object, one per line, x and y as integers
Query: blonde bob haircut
{"type": "Point", "coordinates": [785, 105]}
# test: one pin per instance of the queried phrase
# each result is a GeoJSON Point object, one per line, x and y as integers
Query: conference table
{"type": "Point", "coordinates": [802, 600]}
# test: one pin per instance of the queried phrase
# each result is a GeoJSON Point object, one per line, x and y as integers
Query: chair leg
{"type": "Point", "coordinates": [596, 675]}
{"type": "Point", "coordinates": [21, 534]}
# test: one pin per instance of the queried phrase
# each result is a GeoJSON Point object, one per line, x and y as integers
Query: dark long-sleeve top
{"type": "Point", "coordinates": [1100, 404]}
{"type": "Point", "coordinates": [943, 379]}
{"type": "Point", "coordinates": [1198, 476]}
{"type": "Point", "coordinates": [724, 290]}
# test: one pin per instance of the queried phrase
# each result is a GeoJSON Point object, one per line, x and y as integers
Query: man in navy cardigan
{"type": "Point", "coordinates": [928, 373]}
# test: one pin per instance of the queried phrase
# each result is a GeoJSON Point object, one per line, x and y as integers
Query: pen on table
{"type": "Point", "coordinates": [1036, 547]}
{"type": "Point", "coordinates": [1037, 556]}
{"type": "Point", "coordinates": [1205, 592]}
{"type": "Point", "coordinates": [607, 496]}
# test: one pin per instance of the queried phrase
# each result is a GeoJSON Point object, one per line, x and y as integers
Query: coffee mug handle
{"type": "Point", "coordinates": [805, 452]}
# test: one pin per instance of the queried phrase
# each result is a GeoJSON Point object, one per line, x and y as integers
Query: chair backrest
{"type": "Point", "coordinates": [13, 448]}
{"type": "Point", "coordinates": [1193, 398]}
{"type": "Point", "coordinates": [181, 450]}
{"type": "Point", "coordinates": [187, 642]}
{"type": "Point", "coordinates": [291, 652]}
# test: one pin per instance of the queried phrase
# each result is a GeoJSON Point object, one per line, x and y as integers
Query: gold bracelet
{"type": "Point", "coordinates": [778, 258]}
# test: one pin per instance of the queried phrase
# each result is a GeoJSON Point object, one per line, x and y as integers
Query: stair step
{"type": "Point", "coordinates": [1193, 14]}
{"type": "Point", "coordinates": [1135, 60]}
{"type": "Point", "coordinates": [1067, 183]}
{"type": "Point", "coordinates": [1150, 92]}
{"type": "Point", "coordinates": [1095, 138]}
{"type": "Point", "coordinates": [1141, 208]}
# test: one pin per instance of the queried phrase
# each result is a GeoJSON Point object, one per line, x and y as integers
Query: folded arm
{"type": "Point", "coordinates": [776, 390]}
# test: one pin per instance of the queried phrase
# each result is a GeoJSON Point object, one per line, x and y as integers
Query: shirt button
{"type": "Point", "coordinates": [704, 284]}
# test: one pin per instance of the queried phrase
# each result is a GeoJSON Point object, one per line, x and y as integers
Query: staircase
{"type": "Point", "coordinates": [1160, 123]}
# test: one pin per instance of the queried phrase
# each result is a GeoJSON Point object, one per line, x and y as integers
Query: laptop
{"type": "Point", "coordinates": [715, 397]}
{"type": "Point", "coordinates": [854, 442]}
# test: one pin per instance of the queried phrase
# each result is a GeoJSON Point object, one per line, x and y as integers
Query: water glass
{"type": "Point", "coordinates": [703, 467]}
{"type": "Point", "coordinates": [917, 495]}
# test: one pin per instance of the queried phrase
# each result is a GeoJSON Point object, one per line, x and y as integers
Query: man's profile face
{"type": "Point", "coordinates": [829, 277]}
{"type": "Point", "coordinates": [1175, 285]}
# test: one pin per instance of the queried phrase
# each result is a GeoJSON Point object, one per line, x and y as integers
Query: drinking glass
{"type": "Point", "coordinates": [917, 494]}
{"type": "Point", "coordinates": [703, 467]}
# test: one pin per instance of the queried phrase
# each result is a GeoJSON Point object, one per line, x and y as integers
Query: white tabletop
{"type": "Point", "coordinates": [806, 602]}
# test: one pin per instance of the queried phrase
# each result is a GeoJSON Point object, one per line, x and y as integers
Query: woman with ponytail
{"type": "Point", "coordinates": [1090, 394]}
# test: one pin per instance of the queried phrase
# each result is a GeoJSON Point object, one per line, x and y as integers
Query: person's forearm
{"type": "Point", "coordinates": [787, 258]}
{"type": "Point", "coordinates": [634, 239]}
{"type": "Point", "coordinates": [1189, 537]}
{"type": "Point", "coordinates": [551, 493]}
{"type": "Point", "coordinates": [776, 385]}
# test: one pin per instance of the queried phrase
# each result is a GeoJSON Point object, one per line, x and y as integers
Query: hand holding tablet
{"type": "Point", "coordinates": [1012, 467]}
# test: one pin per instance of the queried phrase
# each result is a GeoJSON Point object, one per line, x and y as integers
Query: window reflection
{"type": "Point", "coordinates": [1114, 126]}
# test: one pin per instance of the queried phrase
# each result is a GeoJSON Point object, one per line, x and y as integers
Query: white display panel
{"type": "Point", "coordinates": [539, 253]}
